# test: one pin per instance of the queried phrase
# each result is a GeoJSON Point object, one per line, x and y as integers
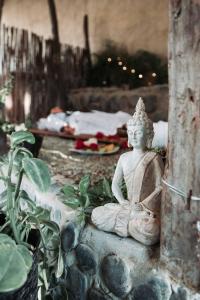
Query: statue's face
{"type": "Point", "coordinates": [137, 136]}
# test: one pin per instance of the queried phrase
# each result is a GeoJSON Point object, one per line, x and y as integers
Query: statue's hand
{"type": "Point", "coordinates": [124, 202]}
{"type": "Point", "coordinates": [138, 207]}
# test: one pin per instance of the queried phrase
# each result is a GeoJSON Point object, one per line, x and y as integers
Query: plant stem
{"type": "Point", "coordinates": [17, 190]}
{"type": "Point", "coordinates": [10, 200]}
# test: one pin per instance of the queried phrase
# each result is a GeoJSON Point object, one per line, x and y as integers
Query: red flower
{"type": "Point", "coordinates": [94, 147]}
{"type": "Point", "coordinates": [114, 137]}
{"type": "Point", "coordinates": [79, 144]}
{"type": "Point", "coordinates": [99, 135]}
{"type": "Point", "coordinates": [124, 145]}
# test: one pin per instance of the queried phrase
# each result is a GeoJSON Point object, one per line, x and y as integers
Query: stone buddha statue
{"type": "Point", "coordinates": [141, 170]}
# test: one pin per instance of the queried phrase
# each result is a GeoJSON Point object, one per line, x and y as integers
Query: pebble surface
{"type": "Point", "coordinates": [68, 167]}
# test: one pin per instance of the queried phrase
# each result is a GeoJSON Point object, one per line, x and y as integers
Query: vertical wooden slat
{"type": "Point", "coordinates": [39, 68]}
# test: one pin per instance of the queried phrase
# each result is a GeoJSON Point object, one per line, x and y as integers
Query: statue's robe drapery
{"type": "Point", "coordinates": [143, 186]}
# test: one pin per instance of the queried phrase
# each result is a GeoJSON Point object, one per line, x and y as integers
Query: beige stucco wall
{"type": "Point", "coordinates": [137, 24]}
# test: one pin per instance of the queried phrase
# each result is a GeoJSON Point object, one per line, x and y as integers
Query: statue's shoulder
{"type": "Point", "coordinates": [157, 159]}
{"type": "Point", "coordinates": [154, 154]}
{"type": "Point", "coordinates": [125, 156]}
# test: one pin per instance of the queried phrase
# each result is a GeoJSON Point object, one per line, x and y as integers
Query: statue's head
{"type": "Point", "coordinates": [140, 128]}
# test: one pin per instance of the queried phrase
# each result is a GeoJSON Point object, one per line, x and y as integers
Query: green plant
{"type": "Point", "coordinates": [13, 257]}
{"type": "Point", "coordinates": [6, 89]}
{"type": "Point", "coordinates": [22, 215]}
{"type": "Point", "coordinates": [85, 197]}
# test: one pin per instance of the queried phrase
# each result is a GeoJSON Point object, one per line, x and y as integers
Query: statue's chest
{"type": "Point", "coordinates": [131, 165]}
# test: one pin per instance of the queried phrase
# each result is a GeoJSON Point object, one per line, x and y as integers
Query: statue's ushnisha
{"type": "Point", "coordinates": [139, 216]}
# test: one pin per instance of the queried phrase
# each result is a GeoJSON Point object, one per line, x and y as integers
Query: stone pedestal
{"type": "Point", "coordinates": [103, 266]}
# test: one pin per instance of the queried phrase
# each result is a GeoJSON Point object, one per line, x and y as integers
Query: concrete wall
{"type": "Point", "coordinates": [134, 23]}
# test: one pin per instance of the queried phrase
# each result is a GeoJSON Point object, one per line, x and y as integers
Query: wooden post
{"type": "Point", "coordinates": [54, 21]}
{"type": "Point", "coordinates": [1, 9]}
{"type": "Point", "coordinates": [87, 41]}
{"type": "Point", "coordinates": [179, 237]}
{"type": "Point", "coordinates": [55, 70]}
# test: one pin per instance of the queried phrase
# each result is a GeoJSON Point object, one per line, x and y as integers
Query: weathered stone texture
{"type": "Point", "coordinates": [76, 284]}
{"type": "Point", "coordinates": [69, 236]}
{"type": "Point", "coordinates": [116, 275]}
{"type": "Point", "coordinates": [153, 288]}
{"type": "Point", "coordinates": [86, 259]}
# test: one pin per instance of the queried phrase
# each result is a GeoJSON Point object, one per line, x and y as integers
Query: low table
{"type": "Point", "coordinates": [115, 140]}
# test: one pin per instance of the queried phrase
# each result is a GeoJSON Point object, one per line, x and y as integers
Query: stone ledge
{"type": "Point", "coordinates": [104, 243]}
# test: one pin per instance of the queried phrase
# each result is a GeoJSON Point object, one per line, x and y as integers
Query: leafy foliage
{"type": "Point", "coordinates": [15, 262]}
{"type": "Point", "coordinates": [6, 89]}
{"type": "Point", "coordinates": [86, 197]}
{"type": "Point", "coordinates": [19, 137]}
{"type": "Point", "coordinates": [22, 215]}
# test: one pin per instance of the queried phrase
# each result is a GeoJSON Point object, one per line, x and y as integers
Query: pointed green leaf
{"type": "Point", "coordinates": [87, 201]}
{"type": "Point", "coordinates": [73, 203]}
{"type": "Point", "coordinates": [41, 213]}
{"type": "Point", "coordinates": [84, 200]}
{"type": "Point", "coordinates": [106, 188]}
{"type": "Point", "coordinates": [37, 172]}
{"type": "Point", "coordinates": [84, 184]}
{"type": "Point", "coordinates": [13, 269]}
{"type": "Point", "coordinates": [69, 191]}
{"type": "Point", "coordinates": [26, 256]}
{"type": "Point", "coordinates": [5, 239]}
{"type": "Point", "coordinates": [30, 203]}
{"type": "Point", "coordinates": [15, 262]}
{"type": "Point", "coordinates": [51, 225]}
{"type": "Point", "coordinates": [20, 137]}
{"type": "Point", "coordinates": [60, 265]}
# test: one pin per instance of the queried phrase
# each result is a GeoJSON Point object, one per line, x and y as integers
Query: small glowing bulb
{"type": "Point", "coordinates": [124, 68]}
{"type": "Point", "coordinates": [120, 63]}
{"type": "Point", "coordinates": [140, 76]}
{"type": "Point", "coordinates": [133, 71]}
{"type": "Point", "coordinates": [109, 59]}
{"type": "Point", "coordinates": [154, 74]}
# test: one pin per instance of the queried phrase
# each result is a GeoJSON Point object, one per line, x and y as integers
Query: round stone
{"type": "Point", "coordinates": [181, 294]}
{"type": "Point", "coordinates": [97, 295]}
{"type": "Point", "coordinates": [86, 259]}
{"type": "Point", "coordinates": [154, 288]}
{"type": "Point", "coordinates": [116, 275]}
{"type": "Point", "coordinates": [69, 236]}
{"type": "Point", "coordinates": [76, 283]}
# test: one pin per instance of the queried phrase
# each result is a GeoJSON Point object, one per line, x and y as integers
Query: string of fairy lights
{"type": "Point", "coordinates": [127, 68]}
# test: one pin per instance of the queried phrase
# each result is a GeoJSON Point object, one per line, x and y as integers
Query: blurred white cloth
{"type": "Point", "coordinates": [86, 122]}
{"type": "Point", "coordinates": [53, 122]}
{"type": "Point", "coordinates": [160, 134]}
{"type": "Point", "coordinates": [98, 121]}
